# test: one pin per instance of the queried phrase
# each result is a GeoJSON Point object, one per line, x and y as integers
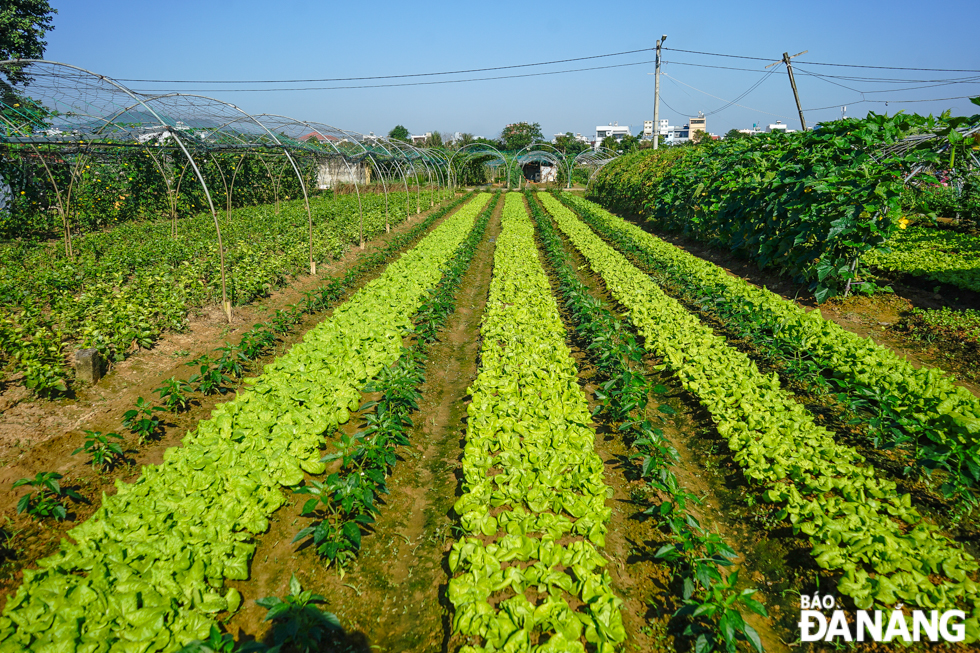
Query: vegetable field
{"type": "Point", "coordinates": [518, 422]}
{"type": "Point", "coordinates": [95, 300]}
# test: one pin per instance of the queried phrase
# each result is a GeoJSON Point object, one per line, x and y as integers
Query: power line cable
{"type": "Point", "coordinates": [744, 94]}
{"type": "Point", "coordinates": [527, 65]}
{"type": "Point", "coordinates": [817, 63]}
{"type": "Point", "coordinates": [933, 84]}
{"type": "Point", "coordinates": [724, 100]}
{"type": "Point", "coordinates": [358, 79]}
{"type": "Point", "coordinates": [938, 99]}
{"type": "Point", "coordinates": [933, 70]}
{"type": "Point", "coordinates": [441, 81]}
{"type": "Point", "coordinates": [704, 65]}
{"type": "Point", "coordinates": [444, 81]}
{"type": "Point", "coordinates": [680, 113]}
{"type": "Point", "coordinates": [717, 54]}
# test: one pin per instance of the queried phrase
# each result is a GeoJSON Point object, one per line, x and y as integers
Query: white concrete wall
{"type": "Point", "coordinates": [334, 171]}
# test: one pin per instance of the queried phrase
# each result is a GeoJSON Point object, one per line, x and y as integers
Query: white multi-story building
{"type": "Point", "coordinates": [677, 135]}
{"type": "Point", "coordinates": [612, 129]}
{"type": "Point", "coordinates": [664, 129]}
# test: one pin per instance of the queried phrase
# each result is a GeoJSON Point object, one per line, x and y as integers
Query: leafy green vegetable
{"type": "Point", "coordinates": [528, 425]}
{"type": "Point", "coordinates": [857, 523]}
{"type": "Point", "coordinates": [941, 418]}
{"type": "Point", "coordinates": [168, 541]}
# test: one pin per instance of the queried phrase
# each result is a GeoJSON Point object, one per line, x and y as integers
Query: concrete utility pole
{"type": "Point", "coordinates": [656, 96]}
{"type": "Point", "coordinates": [792, 82]}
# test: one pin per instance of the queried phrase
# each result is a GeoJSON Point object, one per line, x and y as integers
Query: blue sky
{"type": "Point", "coordinates": [298, 39]}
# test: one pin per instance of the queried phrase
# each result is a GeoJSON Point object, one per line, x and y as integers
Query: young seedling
{"type": "Point", "coordinates": [209, 377]}
{"type": "Point", "coordinates": [216, 642]}
{"type": "Point", "coordinates": [284, 320]}
{"type": "Point", "coordinates": [232, 362]}
{"type": "Point", "coordinates": [256, 341]}
{"type": "Point", "coordinates": [141, 421]}
{"type": "Point", "coordinates": [45, 497]}
{"type": "Point", "coordinates": [173, 394]}
{"type": "Point", "coordinates": [105, 454]}
{"type": "Point", "coordinates": [298, 623]}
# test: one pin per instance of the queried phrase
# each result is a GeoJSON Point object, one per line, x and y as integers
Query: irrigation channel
{"type": "Point", "coordinates": [494, 432]}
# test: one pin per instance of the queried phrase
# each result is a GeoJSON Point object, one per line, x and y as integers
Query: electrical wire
{"type": "Point", "coordinates": [680, 113]}
{"type": "Point", "coordinates": [743, 95]}
{"type": "Point", "coordinates": [704, 65]}
{"type": "Point", "coordinates": [938, 99]}
{"type": "Point", "coordinates": [528, 65]}
{"type": "Point", "coordinates": [717, 54]}
{"type": "Point", "coordinates": [441, 81]}
{"type": "Point", "coordinates": [724, 100]}
{"type": "Point", "coordinates": [932, 70]}
{"type": "Point", "coordinates": [817, 63]}
{"type": "Point", "coordinates": [359, 79]}
{"type": "Point", "coordinates": [932, 84]}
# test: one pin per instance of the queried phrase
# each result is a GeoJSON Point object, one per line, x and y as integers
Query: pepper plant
{"type": "Point", "coordinates": [173, 394]}
{"type": "Point", "coordinates": [45, 499]}
{"type": "Point", "coordinates": [809, 204]}
{"type": "Point", "coordinates": [141, 421]}
{"type": "Point", "coordinates": [105, 453]}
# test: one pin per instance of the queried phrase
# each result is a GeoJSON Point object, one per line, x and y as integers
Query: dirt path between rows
{"type": "Point", "coordinates": [40, 435]}
{"type": "Point", "coordinates": [774, 560]}
{"type": "Point", "coordinates": [392, 597]}
{"type": "Point", "coordinates": [650, 595]}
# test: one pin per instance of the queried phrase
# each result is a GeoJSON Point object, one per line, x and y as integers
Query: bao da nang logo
{"type": "Point", "coordinates": [821, 620]}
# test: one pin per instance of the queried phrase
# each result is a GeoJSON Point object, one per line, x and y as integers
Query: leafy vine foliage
{"type": "Point", "coordinates": [808, 204]}
{"type": "Point", "coordinates": [128, 285]}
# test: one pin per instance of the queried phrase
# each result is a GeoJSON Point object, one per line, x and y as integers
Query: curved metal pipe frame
{"type": "Point", "coordinates": [485, 150]}
{"type": "Point", "coordinates": [197, 171]}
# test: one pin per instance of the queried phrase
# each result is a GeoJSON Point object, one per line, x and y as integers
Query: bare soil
{"type": "Point", "coordinates": [40, 435]}
{"type": "Point", "coordinates": [392, 597]}
{"type": "Point", "coordinates": [640, 579]}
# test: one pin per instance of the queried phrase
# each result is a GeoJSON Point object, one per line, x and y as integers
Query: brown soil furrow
{"type": "Point", "coordinates": [392, 596]}
{"type": "Point", "coordinates": [40, 435]}
{"type": "Point", "coordinates": [642, 582]}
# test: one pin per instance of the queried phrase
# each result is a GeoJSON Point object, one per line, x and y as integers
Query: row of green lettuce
{"type": "Point", "coordinates": [128, 285]}
{"type": "Point", "coordinates": [857, 523]}
{"type": "Point", "coordinates": [941, 256]}
{"type": "Point", "coordinates": [343, 503]}
{"type": "Point", "coordinates": [533, 501]}
{"type": "Point", "coordinates": [706, 597]}
{"type": "Point", "coordinates": [147, 571]}
{"type": "Point", "coordinates": [942, 418]}
{"type": "Point", "coordinates": [809, 204]}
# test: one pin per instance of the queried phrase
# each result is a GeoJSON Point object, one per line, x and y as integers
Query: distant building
{"type": "Point", "coordinates": [577, 137]}
{"type": "Point", "coordinates": [322, 138]}
{"type": "Point", "coordinates": [612, 129]}
{"type": "Point", "coordinates": [664, 130]}
{"type": "Point", "coordinates": [699, 124]}
{"type": "Point", "coordinates": [780, 127]}
{"type": "Point", "coordinates": [677, 135]}
{"type": "Point", "coordinates": [419, 139]}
